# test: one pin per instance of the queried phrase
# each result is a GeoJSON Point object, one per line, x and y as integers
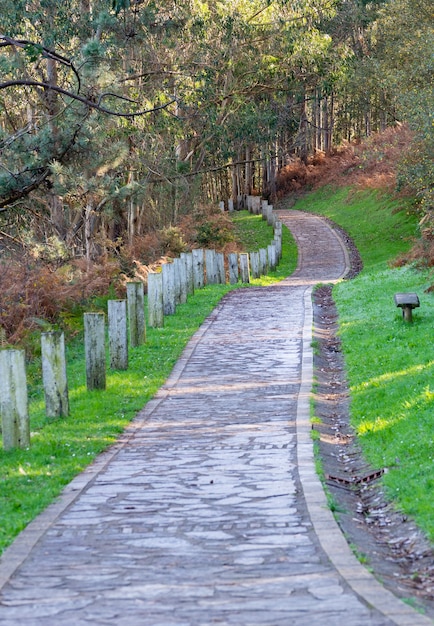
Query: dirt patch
{"type": "Point", "coordinates": [383, 538]}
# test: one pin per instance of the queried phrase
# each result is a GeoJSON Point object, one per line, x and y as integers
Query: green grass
{"type": "Point", "coordinates": [381, 226]}
{"type": "Point", "coordinates": [60, 449]}
{"type": "Point", "coordinates": [251, 230]}
{"type": "Point", "coordinates": [390, 363]}
{"type": "Point", "coordinates": [390, 366]}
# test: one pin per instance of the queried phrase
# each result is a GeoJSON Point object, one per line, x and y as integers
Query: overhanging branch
{"type": "Point", "coordinates": [75, 96]}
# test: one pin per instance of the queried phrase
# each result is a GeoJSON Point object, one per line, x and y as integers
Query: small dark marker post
{"type": "Point", "coordinates": [407, 302]}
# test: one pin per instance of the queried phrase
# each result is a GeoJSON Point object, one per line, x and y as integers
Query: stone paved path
{"type": "Point", "coordinates": [208, 511]}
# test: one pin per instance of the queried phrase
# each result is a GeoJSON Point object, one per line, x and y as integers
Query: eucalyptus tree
{"type": "Point", "coordinates": [118, 115]}
{"type": "Point", "coordinates": [404, 39]}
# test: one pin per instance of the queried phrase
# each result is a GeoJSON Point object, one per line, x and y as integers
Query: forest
{"type": "Point", "coordinates": [120, 119]}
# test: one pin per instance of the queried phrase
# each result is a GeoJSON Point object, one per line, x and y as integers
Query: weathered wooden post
{"type": "Point", "coordinates": [270, 216]}
{"type": "Point", "coordinates": [278, 239]}
{"type": "Point", "coordinates": [136, 313]}
{"type": "Point", "coordinates": [94, 345]}
{"type": "Point", "coordinates": [14, 400]}
{"type": "Point", "coordinates": [254, 264]}
{"type": "Point", "coordinates": [244, 267]}
{"type": "Point", "coordinates": [271, 249]}
{"type": "Point", "coordinates": [222, 206]}
{"type": "Point", "coordinates": [262, 261]}
{"type": "Point", "coordinates": [188, 260]}
{"type": "Point", "coordinates": [182, 277]}
{"type": "Point", "coordinates": [256, 205]}
{"type": "Point", "coordinates": [211, 267]}
{"type": "Point", "coordinates": [230, 205]}
{"type": "Point", "coordinates": [169, 294]}
{"type": "Point", "coordinates": [54, 374]}
{"type": "Point", "coordinates": [249, 200]}
{"type": "Point", "coordinates": [221, 274]}
{"type": "Point", "coordinates": [198, 268]}
{"type": "Point", "coordinates": [117, 331]}
{"type": "Point", "coordinates": [155, 300]}
{"type": "Point", "coordinates": [233, 268]}
{"type": "Point", "coordinates": [177, 278]}
{"type": "Point", "coordinates": [264, 209]}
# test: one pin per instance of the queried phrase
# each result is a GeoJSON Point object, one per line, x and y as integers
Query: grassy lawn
{"type": "Point", "coordinates": [60, 449]}
{"type": "Point", "coordinates": [390, 364]}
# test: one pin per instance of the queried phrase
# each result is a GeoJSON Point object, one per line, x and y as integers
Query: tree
{"type": "Point", "coordinates": [404, 39]}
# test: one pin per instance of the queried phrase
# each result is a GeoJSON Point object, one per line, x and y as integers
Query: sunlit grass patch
{"type": "Point", "coordinates": [390, 365]}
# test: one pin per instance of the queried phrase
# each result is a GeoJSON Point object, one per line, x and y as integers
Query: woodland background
{"type": "Point", "coordinates": [124, 122]}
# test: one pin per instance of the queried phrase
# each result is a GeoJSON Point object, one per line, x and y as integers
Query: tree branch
{"type": "Point", "coordinates": [46, 52]}
{"type": "Point", "coordinates": [90, 103]}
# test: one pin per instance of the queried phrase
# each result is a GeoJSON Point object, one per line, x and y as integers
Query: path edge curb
{"type": "Point", "coordinates": [329, 534]}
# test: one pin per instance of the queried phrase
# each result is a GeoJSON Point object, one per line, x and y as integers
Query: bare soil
{"type": "Point", "coordinates": [382, 537]}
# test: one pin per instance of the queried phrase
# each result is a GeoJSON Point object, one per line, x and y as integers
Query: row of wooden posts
{"type": "Point", "coordinates": [165, 290]}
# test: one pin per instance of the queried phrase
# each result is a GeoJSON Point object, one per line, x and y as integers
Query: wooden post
{"type": "Point", "coordinates": [272, 256]}
{"type": "Point", "coordinates": [278, 239]}
{"type": "Point", "coordinates": [254, 264]}
{"type": "Point", "coordinates": [244, 267]}
{"type": "Point", "coordinates": [94, 345]}
{"type": "Point", "coordinates": [177, 277]}
{"type": "Point", "coordinates": [14, 400]}
{"type": "Point", "coordinates": [211, 267]}
{"type": "Point", "coordinates": [117, 331]}
{"type": "Point", "coordinates": [222, 206]}
{"type": "Point", "coordinates": [221, 274]}
{"type": "Point", "coordinates": [263, 261]}
{"type": "Point", "coordinates": [270, 216]}
{"type": "Point", "coordinates": [155, 300]}
{"type": "Point", "coordinates": [233, 268]}
{"type": "Point", "coordinates": [54, 374]}
{"type": "Point", "coordinates": [188, 260]}
{"type": "Point", "coordinates": [256, 205]}
{"type": "Point", "coordinates": [198, 268]}
{"type": "Point", "coordinates": [230, 205]}
{"type": "Point", "coordinates": [136, 313]}
{"type": "Point", "coordinates": [278, 242]}
{"type": "Point", "coordinates": [169, 295]}
{"type": "Point", "coordinates": [182, 277]}
{"type": "Point", "coordinates": [264, 209]}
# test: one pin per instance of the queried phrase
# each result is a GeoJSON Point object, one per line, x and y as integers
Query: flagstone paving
{"type": "Point", "coordinates": [208, 510]}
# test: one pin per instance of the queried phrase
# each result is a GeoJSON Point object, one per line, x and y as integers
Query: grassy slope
{"type": "Point", "coordinates": [390, 364]}
{"type": "Point", "coordinates": [60, 449]}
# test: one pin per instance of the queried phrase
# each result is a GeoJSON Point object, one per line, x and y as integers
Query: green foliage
{"type": "Point", "coordinates": [404, 37]}
{"type": "Point", "coordinates": [172, 240]}
{"type": "Point", "coordinates": [274, 76]}
{"type": "Point", "coordinates": [118, 5]}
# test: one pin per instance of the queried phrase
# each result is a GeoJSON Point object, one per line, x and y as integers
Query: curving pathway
{"type": "Point", "coordinates": [209, 511]}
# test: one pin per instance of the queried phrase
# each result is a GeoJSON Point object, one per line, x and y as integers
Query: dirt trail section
{"type": "Point", "coordinates": [389, 543]}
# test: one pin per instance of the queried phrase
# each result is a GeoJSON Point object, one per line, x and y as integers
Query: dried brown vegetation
{"type": "Point", "coordinates": [33, 294]}
{"type": "Point", "coordinates": [37, 293]}
{"type": "Point", "coordinates": [368, 165]}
